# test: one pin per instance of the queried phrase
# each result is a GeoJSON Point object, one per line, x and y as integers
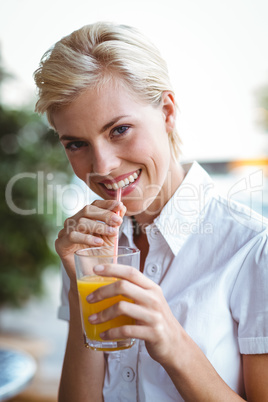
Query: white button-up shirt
{"type": "Point", "coordinates": [210, 257]}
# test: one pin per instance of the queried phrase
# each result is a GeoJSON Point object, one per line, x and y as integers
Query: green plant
{"type": "Point", "coordinates": [29, 154]}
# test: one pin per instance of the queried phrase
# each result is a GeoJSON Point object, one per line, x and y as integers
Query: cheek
{"type": "Point", "coordinates": [153, 150]}
{"type": "Point", "coordinates": [148, 144]}
{"type": "Point", "coordinates": [80, 168]}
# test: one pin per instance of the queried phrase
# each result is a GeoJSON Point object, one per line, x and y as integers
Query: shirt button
{"type": "Point", "coordinates": [128, 374]}
{"type": "Point", "coordinates": [154, 232]}
{"type": "Point", "coordinates": [152, 269]}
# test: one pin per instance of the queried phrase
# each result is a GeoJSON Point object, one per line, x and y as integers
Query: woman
{"type": "Point", "coordinates": [200, 302]}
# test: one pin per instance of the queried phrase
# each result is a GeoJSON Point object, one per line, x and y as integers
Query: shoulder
{"type": "Point", "coordinates": [235, 216]}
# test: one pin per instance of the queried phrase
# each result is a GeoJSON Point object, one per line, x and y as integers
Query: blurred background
{"type": "Point", "coordinates": [218, 61]}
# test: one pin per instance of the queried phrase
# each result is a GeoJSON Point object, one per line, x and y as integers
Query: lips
{"type": "Point", "coordinates": [126, 182]}
{"type": "Point", "coordinates": [121, 182]}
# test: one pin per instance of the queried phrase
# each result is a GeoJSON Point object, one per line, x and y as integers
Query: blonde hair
{"type": "Point", "coordinates": [94, 54]}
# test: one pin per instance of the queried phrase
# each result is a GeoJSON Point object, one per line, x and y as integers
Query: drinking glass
{"type": "Point", "coordinates": [88, 281]}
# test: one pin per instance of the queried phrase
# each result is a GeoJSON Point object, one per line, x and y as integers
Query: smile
{"type": "Point", "coordinates": [123, 183]}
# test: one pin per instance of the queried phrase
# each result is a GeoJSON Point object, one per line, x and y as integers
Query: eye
{"type": "Point", "coordinates": [75, 145]}
{"type": "Point", "coordinates": [119, 131]}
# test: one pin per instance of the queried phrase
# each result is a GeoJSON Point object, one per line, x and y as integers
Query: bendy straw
{"type": "Point", "coordinates": [118, 198]}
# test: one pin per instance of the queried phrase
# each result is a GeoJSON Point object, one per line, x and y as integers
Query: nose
{"type": "Point", "coordinates": [104, 160]}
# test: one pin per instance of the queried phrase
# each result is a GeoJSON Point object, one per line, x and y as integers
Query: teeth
{"type": "Point", "coordinates": [122, 183]}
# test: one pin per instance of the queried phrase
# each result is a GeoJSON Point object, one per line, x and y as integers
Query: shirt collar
{"type": "Point", "coordinates": [184, 212]}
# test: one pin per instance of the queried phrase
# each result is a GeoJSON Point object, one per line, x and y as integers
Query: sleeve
{"type": "Point", "coordinates": [63, 310]}
{"type": "Point", "coordinates": [249, 300]}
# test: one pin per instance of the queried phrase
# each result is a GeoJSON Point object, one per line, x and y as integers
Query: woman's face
{"type": "Point", "coordinates": [113, 140]}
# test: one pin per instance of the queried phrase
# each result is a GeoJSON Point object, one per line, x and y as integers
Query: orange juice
{"type": "Point", "coordinates": [87, 285]}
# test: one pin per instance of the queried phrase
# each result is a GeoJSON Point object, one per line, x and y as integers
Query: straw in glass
{"type": "Point", "coordinates": [118, 198]}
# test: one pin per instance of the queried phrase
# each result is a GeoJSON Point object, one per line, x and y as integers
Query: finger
{"type": "Point", "coordinates": [127, 272]}
{"type": "Point", "coordinates": [111, 205]}
{"type": "Point", "coordinates": [123, 307]}
{"type": "Point", "coordinates": [61, 233]}
{"type": "Point", "coordinates": [85, 225]}
{"type": "Point", "coordinates": [96, 214]}
{"type": "Point", "coordinates": [82, 238]}
{"type": "Point", "coordinates": [66, 239]}
{"type": "Point", "coordinates": [106, 204]}
{"type": "Point", "coordinates": [112, 214]}
{"type": "Point", "coordinates": [124, 288]}
{"type": "Point", "coordinates": [128, 331]}
{"type": "Point", "coordinates": [122, 211]}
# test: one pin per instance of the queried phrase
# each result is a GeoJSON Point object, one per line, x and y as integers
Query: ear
{"type": "Point", "coordinates": [169, 110]}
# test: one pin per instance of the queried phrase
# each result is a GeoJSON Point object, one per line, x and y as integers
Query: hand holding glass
{"type": "Point", "coordinates": [88, 282]}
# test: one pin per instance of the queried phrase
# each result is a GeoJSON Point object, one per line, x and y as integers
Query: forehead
{"type": "Point", "coordinates": [97, 105]}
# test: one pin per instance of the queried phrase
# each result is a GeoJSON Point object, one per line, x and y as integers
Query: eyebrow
{"type": "Point", "coordinates": [69, 137]}
{"type": "Point", "coordinates": [111, 123]}
{"type": "Point", "coordinates": [102, 130]}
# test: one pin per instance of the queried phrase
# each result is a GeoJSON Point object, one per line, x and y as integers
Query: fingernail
{"type": "Point", "coordinates": [90, 297]}
{"type": "Point", "coordinates": [116, 219]}
{"type": "Point", "coordinates": [111, 229]}
{"type": "Point", "coordinates": [98, 268]}
{"type": "Point", "coordinates": [98, 240]}
{"type": "Point", "coordinates": [103, 335]}
{"type": "Point", "coordinates": [93, 317]}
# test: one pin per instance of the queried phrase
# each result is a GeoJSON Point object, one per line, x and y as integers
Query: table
{"type": "Point", "coordinates": [16, 371]}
